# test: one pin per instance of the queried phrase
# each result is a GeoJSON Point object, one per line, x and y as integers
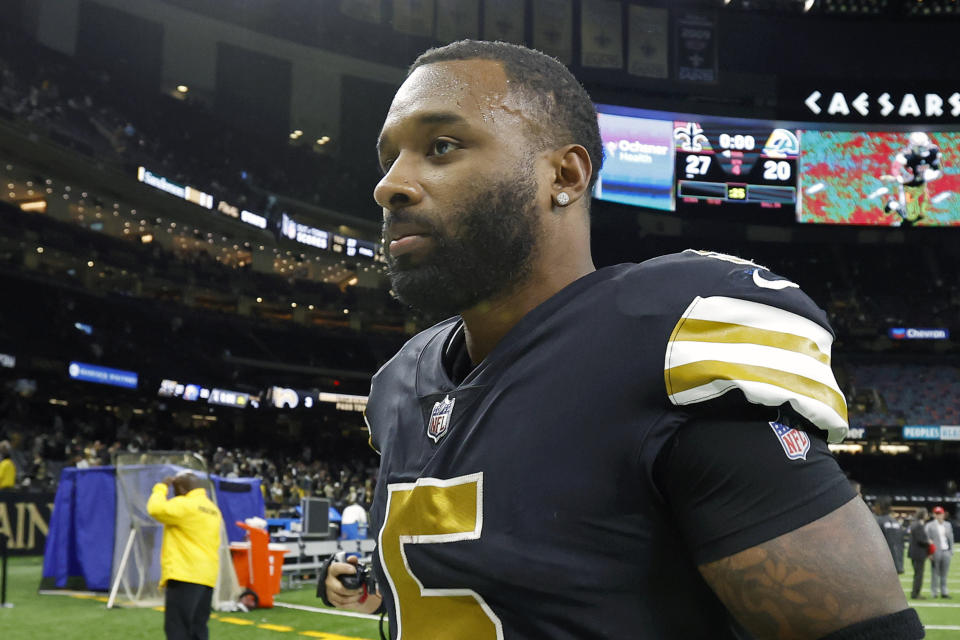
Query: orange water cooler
{"type": "Point", "coordinates": [258, 563]}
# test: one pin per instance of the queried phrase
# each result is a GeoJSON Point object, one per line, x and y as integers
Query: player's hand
{"type": "Point", "coordinates": [338, 594]}
{"type": "Point", "coordinates": [168, 481]}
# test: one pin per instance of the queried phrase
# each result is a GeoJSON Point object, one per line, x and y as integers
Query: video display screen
{"type": "Point", "coordinates": [780, 171]}
{"type": "Point", "coordinates": [853, 177]}
{"type": "Point", "coordinates": [638, 161]}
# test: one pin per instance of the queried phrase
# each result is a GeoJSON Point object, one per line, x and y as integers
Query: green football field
{"type": "Point", "coordinates": [63, 617]}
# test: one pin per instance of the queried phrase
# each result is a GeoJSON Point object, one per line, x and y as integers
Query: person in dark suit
{"type": "Point", "coordinates": [892, 530]}
{"type": "Point", "coordinates": [919, 551]}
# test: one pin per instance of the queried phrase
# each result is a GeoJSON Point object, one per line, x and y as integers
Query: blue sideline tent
{"type": "Point", "coordinates": [80, 544]}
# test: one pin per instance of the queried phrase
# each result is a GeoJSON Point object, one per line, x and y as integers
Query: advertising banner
{"type": "Point", "coordinates": [25, 521]}
{"type": "Point", "coordinates": [102, 375]}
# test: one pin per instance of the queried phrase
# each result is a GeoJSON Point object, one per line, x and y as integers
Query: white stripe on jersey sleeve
{"type": "Point", "coordinates": [759, 316]}
{"type": "Point", "coordinates": [769, 354]}
{"type": "Point", "coordinates": [683, 352]}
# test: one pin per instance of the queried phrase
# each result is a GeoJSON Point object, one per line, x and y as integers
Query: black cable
{"type": "Point", "coordinates": [382, 616]}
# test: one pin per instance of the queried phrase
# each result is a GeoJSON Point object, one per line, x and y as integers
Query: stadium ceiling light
{"type": "Point", "coordinates": [259, 299]}
{"type": "Point", "coordinates": [182, 88]}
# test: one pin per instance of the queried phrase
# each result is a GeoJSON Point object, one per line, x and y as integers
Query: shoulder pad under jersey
{"type": "Point", "coordinates": [745, 328]}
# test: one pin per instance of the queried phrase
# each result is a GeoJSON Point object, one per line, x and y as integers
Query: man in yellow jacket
{"type": "Point", "coordinates": [8, 472]}
{"type": "Point", "coordinates": [190, 557]}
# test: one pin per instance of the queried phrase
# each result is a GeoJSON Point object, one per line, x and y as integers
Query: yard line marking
{"type": "Point", "coordinates": [326, 636]}
{"type": "Point", "coordinates": [332, 612]}
{"type": "Point", "coordinates": [274, 627]}
{"type": "Point", "coordinates": [239, 621]}
{"type": "Point", "coordinates": [943, 627]}
{"type": "Point", "coordinates": [908, 579]}
{"type": "Point", "coordinates": [944, 605]}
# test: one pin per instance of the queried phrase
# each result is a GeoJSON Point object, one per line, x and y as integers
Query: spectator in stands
{"type": "Point", "coordinates": [8, 472]}
{"type": "Point", "coordinates": [892, 530]}
{"type": "Point", "coordinates": [941, 534]}
{"type": "Point", "coordinates": [190, 558]}
{"type": "Point", "coordinates": [277, 493]}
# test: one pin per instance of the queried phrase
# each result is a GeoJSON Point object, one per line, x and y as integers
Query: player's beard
{"type": "Point", "coordinates": [484, 253]}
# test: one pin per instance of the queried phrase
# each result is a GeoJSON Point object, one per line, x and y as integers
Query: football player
{"type": "Point", "coordinates": [913, 170]}
{"type": "Point", "coordinates": [638, 451]}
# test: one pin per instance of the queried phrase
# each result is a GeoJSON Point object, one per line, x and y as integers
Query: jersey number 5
{"type": "Point", "coordinates": [432, 511]}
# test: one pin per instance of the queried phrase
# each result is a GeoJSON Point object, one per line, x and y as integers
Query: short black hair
{"type": "Point", "coordinates": [883, 505]}
{"type": "Point", "coordinates": [185, 482]}
{"type": "Point", "coordinates": [545, 82]}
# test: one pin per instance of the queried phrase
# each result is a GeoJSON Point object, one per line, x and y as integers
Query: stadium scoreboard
{"type": "Point", "coordinates": [716, 164]}
{"type": "Point", "coordinates": [769, 171]}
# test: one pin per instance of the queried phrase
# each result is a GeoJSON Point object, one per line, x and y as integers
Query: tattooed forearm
{"type": "Point", "coordinates": [827, 575]}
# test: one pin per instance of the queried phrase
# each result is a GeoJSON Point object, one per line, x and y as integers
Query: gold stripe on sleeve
{"type": "Point", "coordinates": [694, 330]}
{"type": "Point", "coordinates": [695, 374]}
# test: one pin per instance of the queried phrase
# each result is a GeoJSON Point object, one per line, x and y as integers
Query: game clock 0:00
{"type": "Point", "coordinates": [751, 164]}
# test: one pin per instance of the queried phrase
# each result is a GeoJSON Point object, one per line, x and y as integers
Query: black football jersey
{"type": "Point", "coordinates": [917, 162]}
{"type": "Point", "coordinates": [522, 503]}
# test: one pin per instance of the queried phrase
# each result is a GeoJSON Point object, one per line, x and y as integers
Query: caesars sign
{"type": "Point", "coordinates": [867, 101]}
{"type": "Point", "coordinates": [25, 521]}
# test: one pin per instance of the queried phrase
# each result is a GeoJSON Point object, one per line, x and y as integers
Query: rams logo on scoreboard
{"type": "Point", "coordinates": [782, 143]}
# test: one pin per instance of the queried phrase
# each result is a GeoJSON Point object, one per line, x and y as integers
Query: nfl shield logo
{"type": "Point", "coordinates": [440, 419]}
{"type": "Point", "coordinates": [795, 443]}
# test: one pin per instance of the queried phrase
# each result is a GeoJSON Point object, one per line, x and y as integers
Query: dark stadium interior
{"type": "Point", "coordinates": [99, 268]}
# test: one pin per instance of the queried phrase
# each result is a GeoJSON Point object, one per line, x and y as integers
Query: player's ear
{"type": "Point", "coordinates": [572, 171]}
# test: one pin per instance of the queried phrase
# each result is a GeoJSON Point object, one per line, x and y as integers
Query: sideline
{"type": "Point", "coordinates": [231, 619]}
{"type": "Point", "coordinates": [332, 612]}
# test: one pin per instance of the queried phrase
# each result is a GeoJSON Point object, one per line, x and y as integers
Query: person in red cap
{"type": "Point", "coordinates": [940, 533]}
